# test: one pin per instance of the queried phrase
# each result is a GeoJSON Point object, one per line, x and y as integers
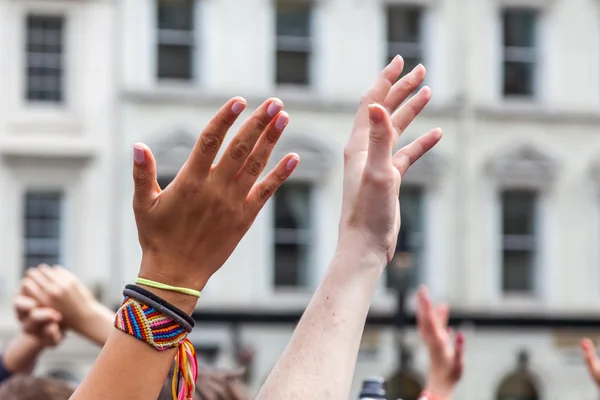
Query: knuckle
{"type": "Point", "coordinates": [260, 122]}
{"type": "Point", "coordinates": [210, 143]}
{"type": "Point", "coordinates": [188, 188]}
{"type": "Point", "coordinates": [255, 167]}
{"type": "Point", "coordinates": [378, 177]}
{"type": "Point", "coordinates": [240, 151]}
{"type": "Point", "coordinates": [378, 137]}
{"type": "Point", "coordinates": [140, 177]}
{"type": "Point", "coordinates": [265, 193]}
{"type": "Point", "coordinates": [347, 153]}
{"type": "Point", "coordinates": [271, 139]}
{"type": "Point", "coordinates": [365, 99]}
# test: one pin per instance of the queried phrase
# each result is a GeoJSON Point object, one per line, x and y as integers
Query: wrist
{"type": "Point", "coordinates": [438, 391]}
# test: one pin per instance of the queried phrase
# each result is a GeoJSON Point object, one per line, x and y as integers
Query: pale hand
{"type": "Point", "coordinates": [372, 172]}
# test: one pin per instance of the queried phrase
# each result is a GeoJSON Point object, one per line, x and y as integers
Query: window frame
{"type": "Point", "coordinates": [295, 44]}
{"type": "Point", "coordinates": [522, 55]}
{"type": "Point", "coordinates": [405, 49]}
{"type": "Point", "coordinates": [521, 242]}
{"type": "Point", "coordinates": [304, 237]}
{"type": "Point", "coordinates": [61, 92]}
{"type": "Point", "coordinates": [60, 240]}
{"type": "Point", "coordinates": [180, 38]}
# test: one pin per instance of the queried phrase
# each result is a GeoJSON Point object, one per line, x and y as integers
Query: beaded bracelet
{"type": "Point", "coordinates": [162, 332]}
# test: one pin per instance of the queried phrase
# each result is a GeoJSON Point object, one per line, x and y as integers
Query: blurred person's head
{"type": "Point", "coordinates": [212, 384]}
{"type": "Point", "coordinates": [24, 387]}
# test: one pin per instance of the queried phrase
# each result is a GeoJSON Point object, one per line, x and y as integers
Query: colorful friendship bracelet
{"type": "Point", "coordinates": [163, 286]}
{"type": "Point", "coordinates": [162, 332]}
{"type": "Point", "coordinates": [152, 296]}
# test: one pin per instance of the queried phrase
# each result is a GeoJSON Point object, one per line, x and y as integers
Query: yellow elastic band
{"type": "Point", "coordinates": [158, 285]}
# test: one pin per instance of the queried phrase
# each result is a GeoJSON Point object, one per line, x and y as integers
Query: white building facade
{"type": "Point", "coordinates": [502, 218]}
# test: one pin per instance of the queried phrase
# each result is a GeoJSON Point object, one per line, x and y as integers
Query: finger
{"type": "Point", "coordinates": [376, 94]}
{"type": "Point", "coordinates": [421, 309]}
{"type": "Point", "coordinates": [255, 164]}
{"type": "Point", "coordinates": [210, 140]}
{"type": "Point", "coordinates": [591, 357]}
{"type": "Point", "coordinates": [242, 144]}
{"type": "Point", "coordinates": [381, 139]}
{"type": "Point", "coordinates": [443, 312]}
{"type": "Point", "coordinates": [23, 306]}
{"type": "Point", "coordinates": [427, 312]}
{"type": "Point", "coordinates": [267, 186]}
{"type": "Point", "coordinates": [49, 273]}
{"type": "Point", "coordinates": [404, 87]}
{"type": "Point", "coordinates": [32, 289]}
{"type": "Point", "coordinates": [42, 276]}
{"type": "Point", "coordinates": [408, 111]}
{"type": "Point", "coordinates": [406, 156]}
{"type": "Point", "coordinates": [146, 187]}
{"type": "Point", "coordinates": [459, 349]}
{"type": "Point", "coordinates": [45, 315]}
{"type": "Point", "coordinates": [52, 331]}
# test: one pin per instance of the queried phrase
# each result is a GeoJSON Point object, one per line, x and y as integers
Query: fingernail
{"type": "Point", "coordinates": [292, 162]}
{"type": "Point", "coordinates": [237, 107]}
{"type": "Point", "coordinates": [281, 121]}
{"type": "Point", "coordinates": [417, 67]}
{"type": "Point", "coordinates": [274, 108]}
{"type": "Point", "coordinates": [375, 114]}
{"type": "Point", "coordinates": [138, 155]}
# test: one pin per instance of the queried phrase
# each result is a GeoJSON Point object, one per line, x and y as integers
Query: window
{"type": "Point", "coordinates": [294, 43]}
{"type": "Point", "coordinates": [404, 35]}
{"type": "Point", "coordinates": [293, 234]}
{"type": "Point", "coordinates": [519, 26]}
{"type": "Point", "coordinates": [175, 39]}
{"type": "Point", "coordinates": [407, 262]}
{"type": "Point", "coordinates": [43, 217]}
{"type": "Point", "coordinates": [45, 58]}
{"type": "Point", "coordinates": [518, 241]}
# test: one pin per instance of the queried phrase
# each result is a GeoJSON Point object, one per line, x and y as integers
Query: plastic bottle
{"type": "Point", "coordinates": [373, 389]}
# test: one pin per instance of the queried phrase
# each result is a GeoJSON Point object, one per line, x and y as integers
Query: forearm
{"type": "Point", "coordinates": [98, 326]}
{"type": "Point", "coordinates": [21, 354]}
{"type": "Point", "coordinates": [129, 369]}
{"type": "Point", "coordinates": [320, 358]}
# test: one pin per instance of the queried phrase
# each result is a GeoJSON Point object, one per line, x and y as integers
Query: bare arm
{"type": "Point", "coordinates": [319, 361]}
{"type": "Point", "coordinates": [222, 201]}
{"type": "Point", "coordinates": [21, 354]}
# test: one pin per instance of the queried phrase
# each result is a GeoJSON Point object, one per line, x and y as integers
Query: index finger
{"type": "Point", "coordinates": [23, 305]}
{"type": "Point", "coordinates": [591, 358]}
{"type": "Point", "coordinates": [359, 137]}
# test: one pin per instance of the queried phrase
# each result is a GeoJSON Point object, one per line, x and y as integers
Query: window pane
{"type": "Point", "coordinates": [293, 19]}
{"type": "Point", "coordinates": [517, 271]}
{"type": "Point", "coordinates": [174, 62]}
{"type": "Point", "coordinates": [518, 78]}
{"type": "Point", "coordinates": [404, 24]}
{"type": "Point", "coordinates": [292, 234]}
{"type": "Point", "coordinates": [519, 28]}
{"type": "Point", "coordinates": [176, 14]}
{"type": "Point", "coordinates": [407, 262]}
{"type": "Point", "coordinates": [518, 212]}
{"type": "Point", "coordinates": [292, 67]}
{"type": "Point", "coordinates": [42, 222]}
{"type": "Point", "coordinates": [44, 58]}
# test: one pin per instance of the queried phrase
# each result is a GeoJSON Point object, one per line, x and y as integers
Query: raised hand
{"type": "Point", "coordinates": [591, 360]}
{"type": "Point", "coordinates": [373, 173]}
{"type": "Point", "coordinates": [188, 230]}
{"type": "Point", "coordinates": [59, 289]}
{"type": "Point", "coordinates": [445, 349]}
{"type": "Point", "coordinates": [41, 323]}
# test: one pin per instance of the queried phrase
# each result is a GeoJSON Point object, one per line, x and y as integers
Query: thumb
{"type": "Point", "coordinates": [144, 175]}
{"type": "Point", "coordinates": [381, 138]}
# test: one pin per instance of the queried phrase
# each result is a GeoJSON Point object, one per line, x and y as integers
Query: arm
{"type": "Point", "coordinates": [59, 289]}
{"type": "Point", "coordinates": [20, 356]}
{"type": "Point", "coordinates": [320, 357]}
{"type": "Point", "coordinates": [446, 362]}
{"type": "Point", "coordinates": [222, 200]}
{"type": "Point", "coordinates": [39, 330]}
